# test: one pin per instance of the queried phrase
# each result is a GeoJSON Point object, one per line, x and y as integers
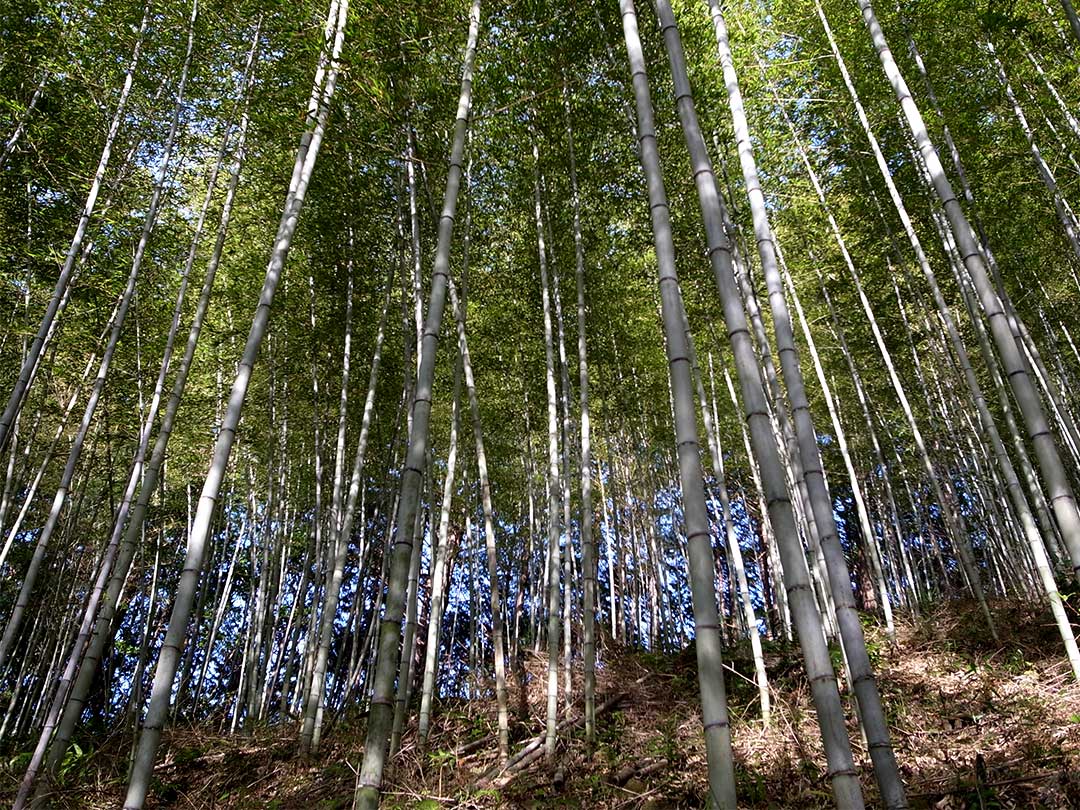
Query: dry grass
{"type": "Point", "coordinates": [975, 725]}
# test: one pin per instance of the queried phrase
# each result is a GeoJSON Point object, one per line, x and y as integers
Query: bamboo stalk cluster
{"type": "Point", "coordinates": [285, 574]}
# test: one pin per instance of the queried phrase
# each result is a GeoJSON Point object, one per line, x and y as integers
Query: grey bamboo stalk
{"type": "Point", "coordinates": [1035, 542]}
{"type": "Point", "coordinates": [260, 554]}
{"type": "Point", "coordinates": [768, 539]}
{"type": "Point", "coordinates": [382, 702]}
{"type": "Point", "coordinates": [608, 533]}
{"type": "Point", "coordinates": [307, 152]}
{"type": "Point", "coordinates": [222, 603]}
{"type": "Point", "coordinates": [371, 634]}
{"type": "Point", "coordinates": [1056, 397]}
{"type": "Point", "coordinates": [135, 699]}
{"type": "Point", "coordinates": [64, 603]}
{"type": "Point", "coordinates": [893, 193]}
{"type": "Point", "coordinates": [22, 677]}
{"type": "Point", "coordinates": [439, 570]}
{"type": "Point", "coordinates": [815, 653]}
{"type": "Point", "coordinates": [406, 672]}
{"type": "Point", "coordinates": [513, 623]}
{"type": "Point", "coordinates": [954, 156]}
{"type": "Point", "coordinates": [780, 423]}
{"type": "Point", "coordinates": [309, 649]}
{"type": "Point", "coordinates": [339, 546]}
{"type": "Point", "coordinates": [13, 479]}
{"type": "Point", "coordinates": [150, 417]}
{"type": "Point", "coordinates": [353, 676]}
{"type": "Point", "coordinates": [952, 519]}
{"type": "Point", "coordinates": [412, 594]}
{"type": "Point", "coordinates": [345, 531]}
{"type": "Point", "coordinates": [990, 360]}
{"type": "Point", "coordinates": [497, 624]}
{"type": "Point", "coordinates": [277, 636]}
{"type": "Point", "coordinates": [955, 530]}
{"type": "Point", "coordinates": [901, 210]}
{"type": "Point", "coordinates": [61, 496]}
{"type": "Point", "coordinates": [908, 585]}
{"type": "Point", "coordinates": [336, 516]}
{"type": "Point", "coordinates": [1063, 108]}
{"type": "Point", "coordinates": [716, 726]}
{"type": "Point", "coordinates": [31, 491]}
{"type": "Point", "coordinates": [1058, 141]}
{"type": "Point", "coordinates": [712, 432]}
{"type": "Point", "coordinates": [20, 128]}
{"type": "Point", "coordinates": [1069, 434]}
{"type": "Point", "coordinates": [102, 628]}
{"type": "Point", "coordinates": [137, 466]}
{"type": "Point", "coordinates": [564, 477]}
{"type": "Point", "coordinates": [886, 770]}
{"type": "Point", "coordinates": [1061, 206]}
{"type": "Point", "coordinates": [873, 551]}
{"type": "Point", "coordinates": [30, 362]}
{"type": "Point", "coordinates": [414, 243]}
{"type": "Point", "coordinates": [538, 591]}
{"type": "Point", "coordinates": [1074, 21]}
{"type": "Point", "coordinates": [533, 589]}
{"type": "Point", "coordinates": [489, 530]}
{"type": "Point", "coordinates": [782, 427]}
{"type": "Point", "coordinates": [588, 547]}
{"type": "Point", "coordinates": [552, 485]}
{"type": "Point", "coordinates": [1056, 478]}
{"type": "Point", "coordinates": [1033, 539]}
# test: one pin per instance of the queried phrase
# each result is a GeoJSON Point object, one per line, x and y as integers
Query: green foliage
{"type": "Point", "coordinates": [751, 787]}
{"type": "Point", "coordinates": [876, 649]}
{"type": "Point", "coordinates": [441, 758]}
{"type": "Point", "coordinates": [19, 762]}
{"type": "Point", "coordinates": [165, 790]}
{"type": "Point", "coordinates": [74, 762]}
{"type": "Point", "coordinates": [836, 656]}
{"type": "Point", "coordinates": [667, 744]}
{"type": "Point", "coordinates": [187, 755]}
{"type": "Point", "coordinates": [1016, 662]}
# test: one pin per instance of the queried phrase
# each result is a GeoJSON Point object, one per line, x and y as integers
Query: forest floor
{"type": "Point", "coordinates": [976, 724]}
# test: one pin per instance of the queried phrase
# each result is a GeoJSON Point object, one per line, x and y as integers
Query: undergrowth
{"type": "Point", "coordinates": [975, 724]}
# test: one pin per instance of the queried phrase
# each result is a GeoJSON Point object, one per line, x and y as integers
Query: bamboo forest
{"type": "Point", "coordinates": [532, 404]}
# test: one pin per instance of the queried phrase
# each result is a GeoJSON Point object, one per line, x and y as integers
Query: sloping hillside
{"type": "Point", "coordinates": [976, 724]}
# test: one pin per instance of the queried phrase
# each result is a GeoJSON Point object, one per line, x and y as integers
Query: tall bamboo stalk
{"type": "Point", "coordinates": [886, 770]}
{"type": "Point", "coordinates": [381, 714]}
{"type": "Point", "coordinates": [1027, 398]}
{"type": "Point", "coordinates": [318, 110]}
{"type": "Point", "coordinates": [707, 638]}
{"type": "Point", "coordinates": [75, 250]}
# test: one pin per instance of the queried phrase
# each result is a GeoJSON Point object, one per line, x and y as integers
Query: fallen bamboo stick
{"type": "Point", "coordinates": [500, 775]}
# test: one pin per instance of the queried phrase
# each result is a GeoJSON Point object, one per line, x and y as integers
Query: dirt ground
{"type": "Point", "coordinates": [975, 724]}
